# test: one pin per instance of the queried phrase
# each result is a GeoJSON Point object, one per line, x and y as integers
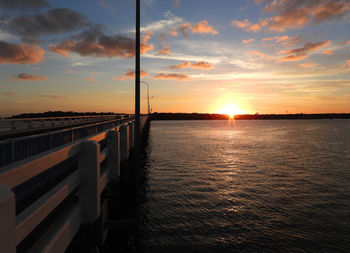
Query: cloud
{"type": "Point", "coordinates": [94, 42]}
{"type": "Point", "coordinates": [285, 40]}
{"type": "Point", "coordinates": [130, 75]}
{"type": "Point", "coordinates": [198, 65]}
{"type": "Point", "coordinates": [295, 14]}
{"type": "Point", "coordinates": [178, 77]}
{"type": "Point", "coordinates": [292, 14]}
{"type": "Point", "coordinates": [9, 93]}
{"type": "Point", "coordinates": [348, 62]}
{"type": "Point", "coordinates": [248, 26]}
{"type": "Point", "coordinates": [307, 65]}
{"type": "Point", "coordinates": [328, 52]}
{"type": "Point", "coordinates": [257, 53]}
{"type": "Point", "coordinates": [177, 4]}
{"type": "Point", "coordinates": [173, 32]}
{"type": "Point", "coordinates": [51, 96]}
{"type": "Point", "coordinates": [23, 4]}
{"type": "Point", "coordinates": [309, 47]}
{"type": "Point", "coordinates": [184, 65]}
{"type": "Point", "coordinates": [20, 53]}
{"type": "Point", "coordinates": [91, 79]}
{"type": "Point", "coordinates": [248, 41]}
{"type": "Point", "coordinates": [202, 65]}
{"type": "Point", "coordinates": [164, 49]}
{"type": "Point", "coordinates": [56, 21]}
{"type": "Point", "coordinates": [292, 58]}
{"type": "Point", "coordinates": [202, 27]}
{"type": "Point", "coordinates": [241, 24]}
{"type": "Point", "coordinates": [170, 20]}
{"type": "Point", "coordinates": [30, 77]}
{"type": "Point", "coordinates": [302, 52]}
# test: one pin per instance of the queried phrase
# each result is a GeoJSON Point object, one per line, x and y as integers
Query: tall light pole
{"type": "Point", "coordinates": [137, 80]}
{"type": "Point", "coordinates": [144, 82]}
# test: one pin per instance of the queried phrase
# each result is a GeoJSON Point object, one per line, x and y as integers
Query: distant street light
{"type": "Point", "coordinates": [144, 82]}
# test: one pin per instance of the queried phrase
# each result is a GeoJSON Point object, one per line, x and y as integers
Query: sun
{"type": "Point", "coordinates": [230, 110]}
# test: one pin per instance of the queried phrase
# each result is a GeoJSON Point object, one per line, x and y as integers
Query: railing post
{"type": "Point", "coordinates": [124, 142]}
{"type": "Point", "coordinates": [113, 144]}
{"type": "Point", "coordinates": [7, 220]}
{"type": "Point", "coordinates": [89, 166]}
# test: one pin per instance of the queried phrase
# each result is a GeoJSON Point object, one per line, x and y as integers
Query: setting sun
{"type": "Point", "coordinates": [230, 110]}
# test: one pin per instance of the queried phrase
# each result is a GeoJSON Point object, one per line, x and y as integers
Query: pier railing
{"type": "Point", "coordinates": [15, 149]}
{"type": "Point", "coordinates": [44, 199]}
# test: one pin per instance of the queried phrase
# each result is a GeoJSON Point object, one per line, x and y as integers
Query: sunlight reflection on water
{"type": "Point", "coordinates": [267, 186]}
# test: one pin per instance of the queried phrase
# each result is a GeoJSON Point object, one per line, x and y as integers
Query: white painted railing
{"type": "Point", "coordinates": [86, 183]}
{"type": "Point", "coordinates": [17, 125]}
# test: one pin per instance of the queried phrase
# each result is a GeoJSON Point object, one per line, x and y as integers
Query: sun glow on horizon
{"type": "Point", "coordinates": [230, 110]}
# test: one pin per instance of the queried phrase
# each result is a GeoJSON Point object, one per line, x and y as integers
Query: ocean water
{"type": "Point", "coordinates": [247, 186]}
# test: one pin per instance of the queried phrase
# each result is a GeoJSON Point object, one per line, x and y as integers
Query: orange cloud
{"type": "Point", "coordinates": [328, 52]}
{"type": "Point", "coordinates": [186, 64]}
{"type": "Point", "coordinates": [348, 62]}
{"type": "Point", "coordinates": [257, 53]}
{"type": "Point", "coordinates": [295, 14]}
{"type": "Point", "coordinates": [144, 46]}
{"type": "Point", "coordinates": [309, 47]}
{"type": "Point", "coordinates": [292, 58]}
{"type": "Point", "coordinates": [248, 41]}
{"type": "Point", "coordinates": [202, 65]}
{"type": "Point", "coordinates": [173, 32]}
{"type": "Point", "coordinates": [30, 77]}
{"type": "Point", "coordinates": [130, 75]}
{"type": "Point", "coordinates": [329, 10]}
{"type": "Point", "coordinates": [241, 24]}
{"type": "Point", "coordinates": [9, 93]}
{"type": "Point", "coordinates": [178, 77]}
{"type": "Point", "coordinates": [254, 28]}
{"type": "Point", "coordinates": [285, 40]}
{"type": "Point", "coordinates": [91, 79]}
{"type": "Point", "coordinates": [51, 96]}
{"type": "Point", "coordinates": [198, 65]}
{"type": "Point", "coordinates": [307, 65]}
{"type": "Point", "coordinates": [20, 53]}
{"type": "Point", "coordinates": [202, 27]}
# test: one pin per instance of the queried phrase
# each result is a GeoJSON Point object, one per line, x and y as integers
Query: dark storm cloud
{"type": "Point", "coordinates": [23, 4]}
{"type": "Point", "coordinates": [56, 21]}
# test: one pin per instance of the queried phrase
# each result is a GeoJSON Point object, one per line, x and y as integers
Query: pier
{"type": "Point", "coordinates": [60, 195]}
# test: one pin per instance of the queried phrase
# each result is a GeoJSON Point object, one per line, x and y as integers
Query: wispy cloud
{"type": "Point", "coordinates": [201, 27]}
{"type": "Point", "coordinates": [30, 77]}
{"type": "Point", "coordinates": [50, 96]}
{"type": "Point", "coordinates": [130, 75]}
{"type": "Point", "coordinates": [178, 77]}
{"type": "Point", "coordinates": [91, 79]}
{"type": "Point", "coordinates": [197, 65]}
{"type": "Point", "coordinates": [248, 41]}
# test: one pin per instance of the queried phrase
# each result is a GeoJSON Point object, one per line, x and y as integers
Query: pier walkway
{"type": "Point", "coordinates": [47, 195]}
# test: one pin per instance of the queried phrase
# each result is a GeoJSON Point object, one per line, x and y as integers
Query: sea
{"type": "Point", "coordinates": [247, 186]}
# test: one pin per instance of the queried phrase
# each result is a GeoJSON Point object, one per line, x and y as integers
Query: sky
{"type": "Point", "coordinates": [225, 56]}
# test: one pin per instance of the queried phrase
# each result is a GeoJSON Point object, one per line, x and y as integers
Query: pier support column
{"type": "Point", "coordinates": [113, 144]}
{"type": "Point", "coordinates": [89, 166]}
{"type": "Point", "coordinates": [7, 220]}
{"type": "Point", "coordinates": [131, 134]}
{"type": "Point", "coordinates": [124, 142]}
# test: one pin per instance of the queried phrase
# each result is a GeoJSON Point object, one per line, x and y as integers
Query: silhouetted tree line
{"type": "Point", "coordinates": [188, 116]}
{"type": "Point", "coordinates": [207, 116]}
{"type": "Point", "coordinates": [58, 114]}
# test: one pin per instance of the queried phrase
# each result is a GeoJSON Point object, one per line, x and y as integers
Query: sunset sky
{"type": "Point", "coordinates": [266, 56]}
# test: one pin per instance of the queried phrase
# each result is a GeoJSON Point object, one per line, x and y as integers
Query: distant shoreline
{"type": "Point", "coordinates": [207, 116]}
